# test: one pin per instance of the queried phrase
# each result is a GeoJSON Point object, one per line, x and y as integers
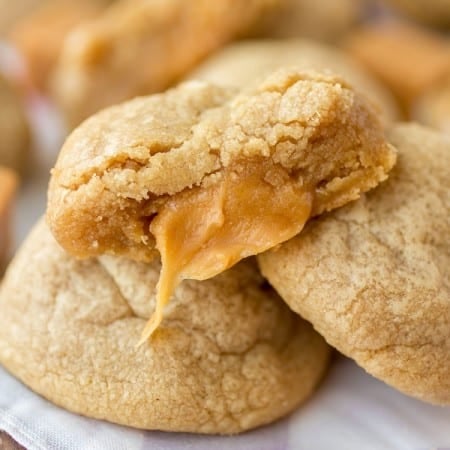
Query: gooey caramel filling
{"type": "Point", "coordinates": [205, 230]}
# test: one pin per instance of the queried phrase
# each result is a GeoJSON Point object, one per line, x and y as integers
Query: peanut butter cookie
{"type": "Point", "coordinates": [373, 277]}
{"type": "Point", "coordinates": [207, 176]}
{"type": "Point", "coordinates": [323, 20]}
{"type": "Point", "coordinates": [39, 36]}
{"type": "Point", "coordinates": [242, 63]}
{"type": "Point", "coordinates": [407, 58]}
{"type": "Point", "coordinates": [12, 11]}
{"type": "Point", "coordinates": [231, 355]}
{"type": "Point", "coordinates": [14, 129]}
{"type": "Point", "coordinates": [140, 47]}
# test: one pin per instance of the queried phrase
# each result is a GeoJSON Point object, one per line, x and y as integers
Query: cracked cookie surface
{"type": "Point", "coordinates": [230, 355]}
{"type": "Point", "coordinates": [121, 167]}
{"type": "Point", "coordinates": [373, 276]}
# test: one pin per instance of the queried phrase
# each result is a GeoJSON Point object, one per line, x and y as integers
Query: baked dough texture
{"type": "Point", "coordinates": [373, 277]}
{"type": "Point", "coordinates": [230, 356]}
{"type": "Point", "coordinates": [14, 129]}
{"type": "Point", "coordinates": [241, 63]}
{"type": "Point", "coordinates": [143, 46]}
{"type": "Point", "coordinates": [120, 168]}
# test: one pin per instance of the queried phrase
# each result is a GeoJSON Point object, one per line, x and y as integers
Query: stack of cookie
{"type": "Point", "coordinates": [183, 185]}
{"type": "Point", "coordinates": [206, 247]}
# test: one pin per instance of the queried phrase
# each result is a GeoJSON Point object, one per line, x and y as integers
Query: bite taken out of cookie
{"type": "Point", "coordinates": [207, 176]}
{"type": "Point", "coordinates": [373, 277]}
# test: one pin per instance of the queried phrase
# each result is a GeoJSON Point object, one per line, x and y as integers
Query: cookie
{"type": "Point", "coordinates": [208, 176]}
{"type": "Point", "coordinates": [14, 129]}
{"type": "Point", "coordinates": [323, 20]}
{"type": "Point", "coordinates": [433, 107]}
{"type": "Point", "coordinates": [230, 356]}
{"type": "Point", "coordinates": [8, 184]}
{"type": "Point", "coordinates": [430, 12]}
{"type": "Point", "coordinates": [373, 277]}
{"type": "Point", "coordinates": [39, 36]}
{"type": "Point", "coordinates": [12, 11]}
{"type": "Point", "coordinates": [140, 47]}
{"type": "Point", "coordinates": [244, 62]}
{"type": "Point", "coordinates": [408, 59]}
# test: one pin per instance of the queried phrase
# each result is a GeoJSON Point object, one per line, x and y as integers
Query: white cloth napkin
{"type": "Point", "coordinates": [351, 410]}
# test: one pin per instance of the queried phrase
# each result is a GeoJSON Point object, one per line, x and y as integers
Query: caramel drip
{"type": "Point", "coordinates": [204, 231]}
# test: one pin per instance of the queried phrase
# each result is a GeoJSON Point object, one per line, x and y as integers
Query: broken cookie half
{"type": "Point", "coordinates": [229, 357]}
{"type": "Point", "coordinates": [208, 176]}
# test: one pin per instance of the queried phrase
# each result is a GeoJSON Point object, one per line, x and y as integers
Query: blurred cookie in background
{"type": "Point", "coordinates": [430, 12]}
{"type": "Point", "coordinates": [246, 61]}
{"type": "Point", "coordinates": [322, 20]}
{"type": "Point", "coordinates": [141, 47]}
{"type": "Point", "coordinates": [8, 184]}
{"type": "Point", "coordinates": [408, 59]}
{"type": "Point", "coordinates": [40, 34]}
{"type": "Point", "coordinates": [13, 10]}
{"type": "Point", "coordinates": [433, 108]}
{"type": "Point", "coordinates": [14, 128]}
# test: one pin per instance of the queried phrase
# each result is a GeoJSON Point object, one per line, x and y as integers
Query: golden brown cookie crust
{"type": "Point", "coordinates": [229, 357]}
{"type": "Point", "coordinates": [141, 47]}
{"type": "Point", "coordinates": [373, 277]}
{"type": "Point", "coordinates": [120, 167]}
